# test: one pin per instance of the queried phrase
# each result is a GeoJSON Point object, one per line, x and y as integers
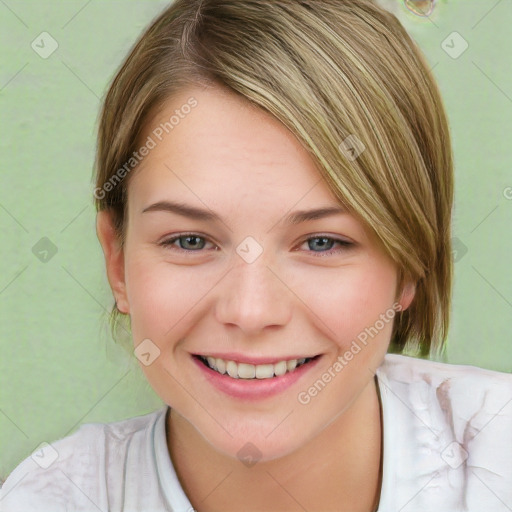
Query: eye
{"type": "Point", "coordinates": [193, 242]}
{"type": "Point", "coordinates": [190, 242]}
{"type": "Point", "coordinates": [325, 244]}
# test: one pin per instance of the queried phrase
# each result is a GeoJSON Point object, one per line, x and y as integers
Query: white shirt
{"type": "Point", "coordinates": [447, 447]}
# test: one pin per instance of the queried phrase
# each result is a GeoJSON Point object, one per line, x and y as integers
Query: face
{"type": "Point", "coordinates": [236, 274]}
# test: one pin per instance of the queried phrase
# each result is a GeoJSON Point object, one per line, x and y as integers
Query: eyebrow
{"type": "Point", "coordinates": [195, 213]}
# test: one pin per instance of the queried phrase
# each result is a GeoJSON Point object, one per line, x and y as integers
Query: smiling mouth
{"type": "Point", "coordinates": [246, 371]}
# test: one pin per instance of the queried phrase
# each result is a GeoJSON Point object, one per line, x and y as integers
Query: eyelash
{"type": "Point", "coordinates": [343, 243]}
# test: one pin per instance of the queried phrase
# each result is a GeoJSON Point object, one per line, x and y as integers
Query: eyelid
{"type": "Point", "coordinates": [337, 238]}
{"type": "Point", "coordinates": [169, 241]}
{"type": "Point", "coordinates": [345, 243]}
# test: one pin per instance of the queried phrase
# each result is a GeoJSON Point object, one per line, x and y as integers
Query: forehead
{"type": "Point", "coordinates": [229, 156]}
{"type": "Point", "coordinates": [224, 143]}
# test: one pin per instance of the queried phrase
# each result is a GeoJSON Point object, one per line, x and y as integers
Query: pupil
{"type": "Point", "coordinates": [324, 241]}
{"type": "Point", "coordinates": [187, 238]}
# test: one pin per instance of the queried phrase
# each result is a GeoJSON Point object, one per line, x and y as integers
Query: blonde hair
{"type": "Point", "coordinates": [327, 70]}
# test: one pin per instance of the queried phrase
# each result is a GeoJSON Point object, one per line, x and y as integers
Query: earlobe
{"type": "Point", "coordinates": [114, 258]}
{"type": "Point", "coordinates": [408, 293]}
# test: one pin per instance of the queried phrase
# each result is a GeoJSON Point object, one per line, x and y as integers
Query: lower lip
{"type": "Point", "coordinates": [254, 389]}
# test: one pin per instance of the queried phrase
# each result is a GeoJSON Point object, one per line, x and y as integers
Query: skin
{"type": "Point", "coordinates": [298, 297]}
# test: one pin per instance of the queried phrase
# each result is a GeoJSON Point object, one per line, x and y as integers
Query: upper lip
{"type": "Point", "coordinates": [256, 360]}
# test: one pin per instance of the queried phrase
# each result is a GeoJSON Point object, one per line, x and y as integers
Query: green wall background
{"type": "Point", "coordinates": [59, 366]}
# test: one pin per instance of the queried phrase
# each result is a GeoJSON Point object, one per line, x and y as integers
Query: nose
{"type": "Point", "coordinates": [253, 297]}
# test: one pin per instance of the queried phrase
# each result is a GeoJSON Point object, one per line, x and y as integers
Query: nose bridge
{"type": "Point", "coordinates": [252, 296]}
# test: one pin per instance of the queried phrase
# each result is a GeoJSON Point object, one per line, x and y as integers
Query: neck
{"type": "Point", "coordinates": [338, 470]}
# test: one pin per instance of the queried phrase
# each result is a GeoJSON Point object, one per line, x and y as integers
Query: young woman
{"type": "Point", "coordinates": [274, 192]}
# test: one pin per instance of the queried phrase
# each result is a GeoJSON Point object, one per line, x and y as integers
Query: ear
{"type": "Point", "coordinates": [114, 258]}
{"type": "Point", "coordinates": [407, 295]}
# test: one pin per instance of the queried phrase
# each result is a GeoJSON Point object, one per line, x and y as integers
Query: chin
{"type": "Point", "coordinates": [252, 446]}
{"type": "Point", "coordinates": [250, 452]}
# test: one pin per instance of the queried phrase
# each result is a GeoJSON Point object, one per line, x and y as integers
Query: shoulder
{"type": "Point", "coordinates": [74, 469]}
{"type": "Point", "coordinates": [458, 392]}
{"type": "Point", "coordinates": [455, 380]}
{"type": "Point", "coordinates": [448, 423]}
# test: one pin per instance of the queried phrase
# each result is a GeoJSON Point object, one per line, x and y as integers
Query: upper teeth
{"type": "Point", "coordinates": [251, 371]}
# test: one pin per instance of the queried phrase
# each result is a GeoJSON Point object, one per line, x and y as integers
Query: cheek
{"type": "Point", "coordinates": [157, 295]}
{"type": "Point", "coordinates": [165, 300]}
{"type": "Point", "coordinates": [349, 300]}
